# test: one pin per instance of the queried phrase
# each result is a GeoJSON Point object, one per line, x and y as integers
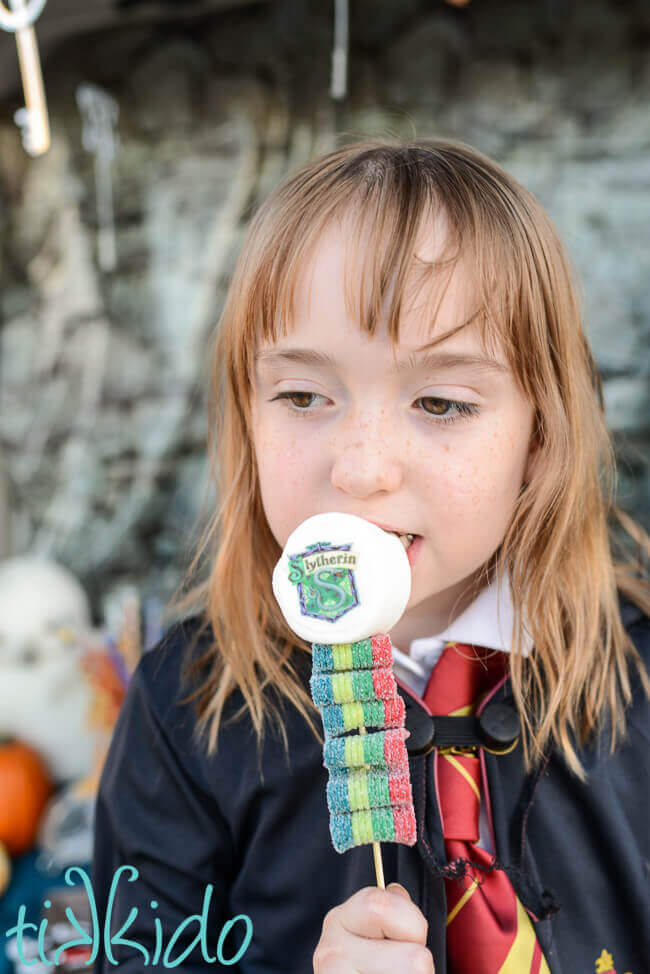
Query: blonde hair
{"type": "Point", "coordinates": [559, 548]}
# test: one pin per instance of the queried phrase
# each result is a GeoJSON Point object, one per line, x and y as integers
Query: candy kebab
{"type": "Point", "coordinates": [342, 583]}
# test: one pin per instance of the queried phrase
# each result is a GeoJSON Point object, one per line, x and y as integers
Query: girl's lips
{"type": "Point", "coordinates": [413, 550]}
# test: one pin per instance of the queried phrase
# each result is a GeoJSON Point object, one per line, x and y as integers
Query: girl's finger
{"type": "Point", "coordinates": [350, 954]}
{"type": "Point", "coordinates": [387, 957]}
{"type": "Point", "coordinates": [380, 913]}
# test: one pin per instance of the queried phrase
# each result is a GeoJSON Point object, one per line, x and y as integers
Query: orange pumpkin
{"type": "Point", "coordinates": [25, 787]}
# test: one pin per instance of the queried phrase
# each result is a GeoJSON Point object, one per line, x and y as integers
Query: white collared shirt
{"type": "Point", "coordinates": [488, 621]}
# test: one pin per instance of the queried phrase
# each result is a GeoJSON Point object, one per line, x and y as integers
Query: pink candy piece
{"type": "Point", "coordinates": [395, 712]}
{"type": "Point", "coordinates": [399, 787]}
{"type": "Point", "coordinates": [384, 684]}
{"type": "Point", "coordinates": [404, 822]}
{"type": "Point", "coordinates": [382, 654]}
{"type": "Point", "coordinates": [395, 750]}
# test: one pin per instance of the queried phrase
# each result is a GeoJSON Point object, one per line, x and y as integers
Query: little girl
{"type": "Point", "coordinates": [401, 341]}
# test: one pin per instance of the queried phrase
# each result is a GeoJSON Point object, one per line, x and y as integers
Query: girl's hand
{"type": "Point", "coordinates": [376, 931]}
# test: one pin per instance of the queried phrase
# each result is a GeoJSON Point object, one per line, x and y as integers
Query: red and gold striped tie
{"type": "Point", "coordinates": [488, 929]}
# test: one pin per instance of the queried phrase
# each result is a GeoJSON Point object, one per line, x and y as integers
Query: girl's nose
{"type": "Point", "coordinates": [366, 461]}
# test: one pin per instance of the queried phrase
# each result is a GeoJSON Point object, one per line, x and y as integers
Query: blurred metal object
{"type": "Point", "coordinates": [66, 19]}
{"type": "Point", "coordinates": [339, 85]}
{"type": "Point", "coordinates": [32, 119]}
{"type": "Point", "coordinates": [5, 508]}
{"type": "Point", "coordinates": [100, 112]}
{"type": "Point", "coordinates": [21, 15]}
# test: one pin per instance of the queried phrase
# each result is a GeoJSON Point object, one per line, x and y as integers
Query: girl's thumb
{"type": "Point", "coordinates": [398, 888]}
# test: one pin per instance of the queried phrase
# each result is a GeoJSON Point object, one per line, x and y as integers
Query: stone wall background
{"type": "Point", "coordinates": [102, 403]}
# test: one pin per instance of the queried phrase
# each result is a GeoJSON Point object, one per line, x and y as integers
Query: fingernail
{"type": "Point", "coordinates": [399, 887]}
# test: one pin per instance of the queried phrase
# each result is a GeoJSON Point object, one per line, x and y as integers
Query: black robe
{"type": "Point", "coordinates": [236, 836]}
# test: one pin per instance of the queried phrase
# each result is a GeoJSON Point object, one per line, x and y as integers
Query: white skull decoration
{"type": "Point", "coordinates": [44, 697]}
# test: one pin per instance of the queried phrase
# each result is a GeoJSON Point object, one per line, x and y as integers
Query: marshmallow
{"type": "Point", "coordinates": [341, 579]}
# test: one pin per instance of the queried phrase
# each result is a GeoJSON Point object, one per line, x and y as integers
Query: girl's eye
{"type": "Point", "coordinates": [299, 403]}
{"type": "Point", "coordinates": [301, 406]}
{"type": "Point", "coordinates": [463, 409]}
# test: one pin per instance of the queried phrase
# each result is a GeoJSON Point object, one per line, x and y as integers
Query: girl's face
{"type": "Point", "coordinates": [436, 448]}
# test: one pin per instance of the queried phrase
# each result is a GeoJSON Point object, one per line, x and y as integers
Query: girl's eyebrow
{"type": "Point", "coordinates": [426, 360]}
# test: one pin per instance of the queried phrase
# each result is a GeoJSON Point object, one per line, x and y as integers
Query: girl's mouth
{"type": "Point", "coordinates": [412, 544]}
{"type": "Point", "coordinates": [406, 539]}
{"type": "Point", "coordinates": [413, 549]}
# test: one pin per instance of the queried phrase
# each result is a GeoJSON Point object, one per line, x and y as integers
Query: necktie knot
{"type": "Point", "coordinates": [462, 676]}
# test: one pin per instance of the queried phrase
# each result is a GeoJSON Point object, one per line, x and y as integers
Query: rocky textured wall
{"type": "Point", "coordinates": [102, 406]}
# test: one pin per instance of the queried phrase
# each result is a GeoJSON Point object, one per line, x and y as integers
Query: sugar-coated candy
{"type": "Point", "coordinates": [388, 824]}
{"type": "Point", "coordinates": [340, 718]}
{"type": "Point", "coordinates": [384, 748]}
{"type": "Point", "coordinates": [352, 656]}
{"type": "Point", "coordinates": [369, 788]}
{"type": "Point", "coordinates": [351, 790]}
{"type": "Point", "coordinates": [341, 583]}
{"type": "Point", "coordinates": [329, 688]}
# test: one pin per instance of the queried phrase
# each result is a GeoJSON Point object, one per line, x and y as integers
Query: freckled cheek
{"type": "Point", "coordinates": [477, 478]}
{"type": "Point", "coordinates": [283, 463]}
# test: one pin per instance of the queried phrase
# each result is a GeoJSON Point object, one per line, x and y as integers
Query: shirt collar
{"type": "Point", "coordinates": [488, 621]}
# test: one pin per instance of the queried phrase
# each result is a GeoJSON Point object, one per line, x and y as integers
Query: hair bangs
{"type": "Point", "coordinates": [386, 198]}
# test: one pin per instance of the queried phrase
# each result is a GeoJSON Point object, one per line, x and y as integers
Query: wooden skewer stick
{"type": "Point", "coordinates": [379, 868]}
{"type": "Point", "coordinates": [376, 850]}
{"type": "Point", "coordinates": [32, 119]}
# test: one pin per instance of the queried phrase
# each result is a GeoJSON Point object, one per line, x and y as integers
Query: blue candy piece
{"type": "Point", "coordinates": [338, 798]}
{"type": "Point", "coordinates": [341, 832]}
{"type": "Point", "coordinates": [321, 690]}
{"type": "Point", "coordinates": [333, 720]}
{"type": "Point", "coordinates": [334, 753]}
{"type": "Point", "coordinates": [322, 657]}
